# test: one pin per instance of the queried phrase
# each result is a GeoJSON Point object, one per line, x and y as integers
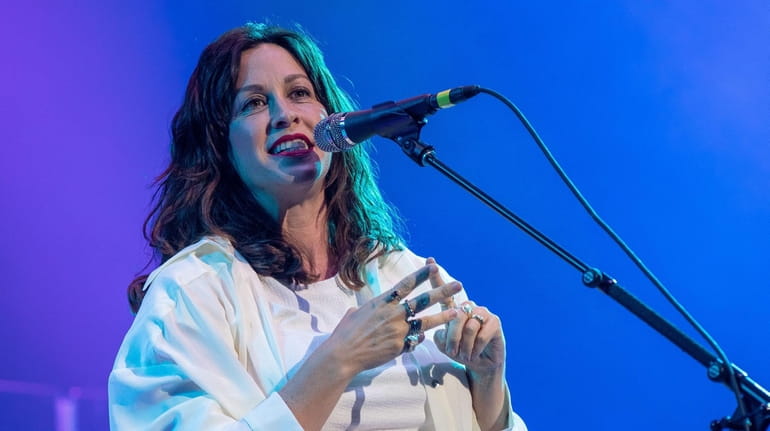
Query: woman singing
{"type": "Point", "coordinates": [285, 299]}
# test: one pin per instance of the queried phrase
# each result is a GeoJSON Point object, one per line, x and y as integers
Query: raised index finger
{"type": "Point", "coordinates": [408, 283]}
{"type": "Point", "coordinates": [437, 281]}
{"type": "Point", "coordinates": [435, 278]}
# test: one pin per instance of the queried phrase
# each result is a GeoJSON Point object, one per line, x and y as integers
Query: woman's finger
{"type": "Point", "coordinates": [469, 332]}
{"type": "Point", "coordinates": [425, 300]}
{"type": "Point", "coordinates": [407, 285]}
{"type": "Point", "coordinates": [454, 331]}
{"type": "Point", "coordinates": [438, 319]}
{"type": "Point", "coordinates": [437, 281]}
{"type": "Point", "coordinates": [490, 328]}
{"type": "Point", "coordinates": [439, 338]}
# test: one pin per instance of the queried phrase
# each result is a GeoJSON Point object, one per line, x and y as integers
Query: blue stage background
{"type": "Point", "coordinates": [658, 110]}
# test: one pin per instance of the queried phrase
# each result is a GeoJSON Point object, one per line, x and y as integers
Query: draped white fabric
{"type": "Point", "coordinates": [213, 343]}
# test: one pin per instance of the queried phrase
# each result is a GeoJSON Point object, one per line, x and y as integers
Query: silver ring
{"type": "Point", "coordinates": [468, 309]}
{"type": "Point", "coordinates": [415, 326]}
{"type": "Point", "coordinates": [410, 342]}
{"type": "Point", "coordinates": [480, 319]}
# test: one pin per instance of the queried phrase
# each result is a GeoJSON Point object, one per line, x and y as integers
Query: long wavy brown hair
{"type": "Point", "coordinates": [200, 194]}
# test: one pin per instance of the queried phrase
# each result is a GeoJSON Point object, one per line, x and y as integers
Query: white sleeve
{"type": "Point", "coordinates": [518, 424]}
{"type": "Point", "coordinates": [178, 367]}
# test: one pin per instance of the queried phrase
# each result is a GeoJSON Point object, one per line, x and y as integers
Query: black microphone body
{"type": "Point", "coordinates": [342, 131]}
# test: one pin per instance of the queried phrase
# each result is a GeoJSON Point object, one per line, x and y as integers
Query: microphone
{"type": "Point", "coordinates": [343, 130]}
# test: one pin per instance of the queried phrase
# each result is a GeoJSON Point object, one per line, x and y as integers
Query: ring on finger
{"type": "Point", "coordinates": [467, 308]}
{"type": "Point", "coordinates": [479, 318]}
{"type": "Point", "coordinates": [415, 326]}
{"type": "Point", "coordinates": [410, 342]}
{"type": "Point", "coordinates": [409, 310]}
{"type": "Point", "coordinates": [394, 297]}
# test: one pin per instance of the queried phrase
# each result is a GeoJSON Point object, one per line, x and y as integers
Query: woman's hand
{"type": "Point", "coordinates": [473, 338]}
{"type": "Point", "coordinates": [366, 337]}
{"type": "Point", "coordinates": [375, 332]}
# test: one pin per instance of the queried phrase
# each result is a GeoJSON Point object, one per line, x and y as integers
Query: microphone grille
{"type": "Point", "coordinates": [330, 136]}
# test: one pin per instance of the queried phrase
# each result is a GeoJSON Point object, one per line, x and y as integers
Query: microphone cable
{"type": "Point", "coordinates": [626, 249]}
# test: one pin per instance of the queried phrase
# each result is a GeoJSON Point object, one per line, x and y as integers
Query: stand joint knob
{"type": "Point", "coordinates": [716, 371]}
{"type": "Point", "coordinates": [594, 277]}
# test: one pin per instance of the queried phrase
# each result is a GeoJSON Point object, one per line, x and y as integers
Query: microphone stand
{"type": "Point", "coordinates": [755, 397]}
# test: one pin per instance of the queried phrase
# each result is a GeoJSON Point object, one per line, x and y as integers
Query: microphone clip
{"type": "Point", "coordinates": [407, 136]}
{"type": "Point", "coordinates": [415, 149]}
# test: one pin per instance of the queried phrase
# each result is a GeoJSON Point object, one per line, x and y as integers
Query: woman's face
{"type": "Point", "coordinates": [271, 130]}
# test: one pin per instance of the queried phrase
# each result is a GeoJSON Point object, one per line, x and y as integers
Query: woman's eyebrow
{"type": "Point", "coordinates": [294, 77]}
{"type": "Point", "coordinates": [251, 88]}
{"type": "Point", "coordinates": [258, 88]}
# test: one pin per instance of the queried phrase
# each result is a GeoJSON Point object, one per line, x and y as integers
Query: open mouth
{"type": "Point", "coordinates": [290, 144]}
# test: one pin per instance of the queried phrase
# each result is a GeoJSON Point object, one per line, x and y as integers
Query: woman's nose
{"type": "Point", "coordinates": [282, 114]}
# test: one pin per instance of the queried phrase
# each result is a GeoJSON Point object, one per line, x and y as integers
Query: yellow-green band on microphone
{"type": "Point", "coordinates": [443, 99]}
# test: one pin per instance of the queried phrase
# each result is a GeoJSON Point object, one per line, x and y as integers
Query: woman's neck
{"type": "Point", "coordinates": [304, 224]}
{"type": "Point", "coordinates": [306, 227]}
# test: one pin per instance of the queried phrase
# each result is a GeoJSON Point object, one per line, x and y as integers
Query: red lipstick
{"type": "Point", "coordinates": [293, 150]}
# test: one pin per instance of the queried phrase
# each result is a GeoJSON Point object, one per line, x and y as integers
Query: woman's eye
{"type": "Point", "coordinates": [254, 103]}
{"type": "Point", "coordinates": [300, 93]}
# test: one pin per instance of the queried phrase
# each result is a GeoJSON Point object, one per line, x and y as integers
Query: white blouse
{"type": "Point", "coordinates": [214, 342]}
{"type": "Point", "coordinates": [305, 318]}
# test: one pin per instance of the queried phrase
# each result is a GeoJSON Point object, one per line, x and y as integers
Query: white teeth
{"type": "Point", "coordinates": [296, 144]}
